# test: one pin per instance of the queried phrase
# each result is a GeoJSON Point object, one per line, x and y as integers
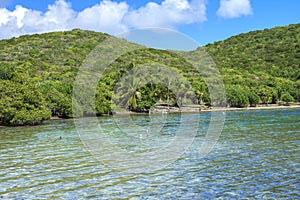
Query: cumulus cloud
{"type": "Point", "coordinates": [107, 16]}
{"type": "Point", "coordinates": [169, 14]}
{"type": "Point", "coordinates": [59, 16]}
{"type": "Point", "coordinates": [234, 8]}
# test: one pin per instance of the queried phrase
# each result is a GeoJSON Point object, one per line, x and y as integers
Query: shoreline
{"type": "Point", "coordinates": [191, 109]}
{"type": "Point", "coordinates": [194, 109]}
{"type": "Point", "coordinates": [270, 107]}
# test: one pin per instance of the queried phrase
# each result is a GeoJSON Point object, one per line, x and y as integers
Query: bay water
{"type": "Point", "coordinates": [256, 156]}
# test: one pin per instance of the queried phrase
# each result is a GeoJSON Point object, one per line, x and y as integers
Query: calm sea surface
{"type": "Point", "coordinates": [257, 156]}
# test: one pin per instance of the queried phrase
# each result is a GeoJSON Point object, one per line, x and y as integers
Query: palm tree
{"type": "Point", "coordinates": [126, 93]}
{"type": "Point", "coordinates": [132, 101]}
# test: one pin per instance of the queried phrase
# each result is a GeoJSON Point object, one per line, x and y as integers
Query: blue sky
{"type": "Point", "coordinates": [205, 21]}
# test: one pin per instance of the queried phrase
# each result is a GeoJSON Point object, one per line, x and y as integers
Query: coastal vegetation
{"type": "Point", "coordinates": [37, 73]}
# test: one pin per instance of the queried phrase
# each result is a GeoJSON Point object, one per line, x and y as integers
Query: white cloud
{"type": "Point", "coordinates": [107, 16]}
{"type": "Point", "coordinates": [170, 13]}
{"type": "Point", "coordinates": [234, 8]}
{"type": "Point", "coordinates": [17, 15]}
{"type": "Point", "coordinates": [25, 21]}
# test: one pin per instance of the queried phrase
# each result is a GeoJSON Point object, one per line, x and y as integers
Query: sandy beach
{"type": "Point", "coordinates": [196, 108]}
{"type": "Point", "coordinates": [260, 107]}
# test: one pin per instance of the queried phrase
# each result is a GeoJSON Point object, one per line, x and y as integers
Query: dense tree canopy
{"type": "Point", "coordinates": [266, 63]}
{"type": "Point", "coordinates": [37, 73]}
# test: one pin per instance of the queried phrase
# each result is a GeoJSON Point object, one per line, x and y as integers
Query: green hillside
{"type": "Point", "coordinates": [272, 51]}
{"type": "Point", "coordinates": [266, 62]}
{"type": "Point", "coordinates": [37, 73]}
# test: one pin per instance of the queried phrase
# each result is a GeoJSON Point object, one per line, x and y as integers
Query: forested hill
{"type": "Point", "coordinates": [273, 51]}
{"type": "Point", "coordinates": [37, 73]}
{"type": "Point", "coordinates": [266, 62]}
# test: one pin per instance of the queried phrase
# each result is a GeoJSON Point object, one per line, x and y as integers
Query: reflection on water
{"type": "Point", "coordinates": [256, 157]}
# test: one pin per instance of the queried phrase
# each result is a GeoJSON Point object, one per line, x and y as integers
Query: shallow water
{"type": "Point", "coordinates": [257, 156]}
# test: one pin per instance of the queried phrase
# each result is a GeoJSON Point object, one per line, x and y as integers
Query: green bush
{"type": "Point", "coordinates": [287, 98]}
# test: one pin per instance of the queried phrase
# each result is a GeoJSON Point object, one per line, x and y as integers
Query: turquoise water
{"type": "Point", "coordinates": [257, 157]}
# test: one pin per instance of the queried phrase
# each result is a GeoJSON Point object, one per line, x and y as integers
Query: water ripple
{"type": "Point", "coordinates": [257, 157]}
